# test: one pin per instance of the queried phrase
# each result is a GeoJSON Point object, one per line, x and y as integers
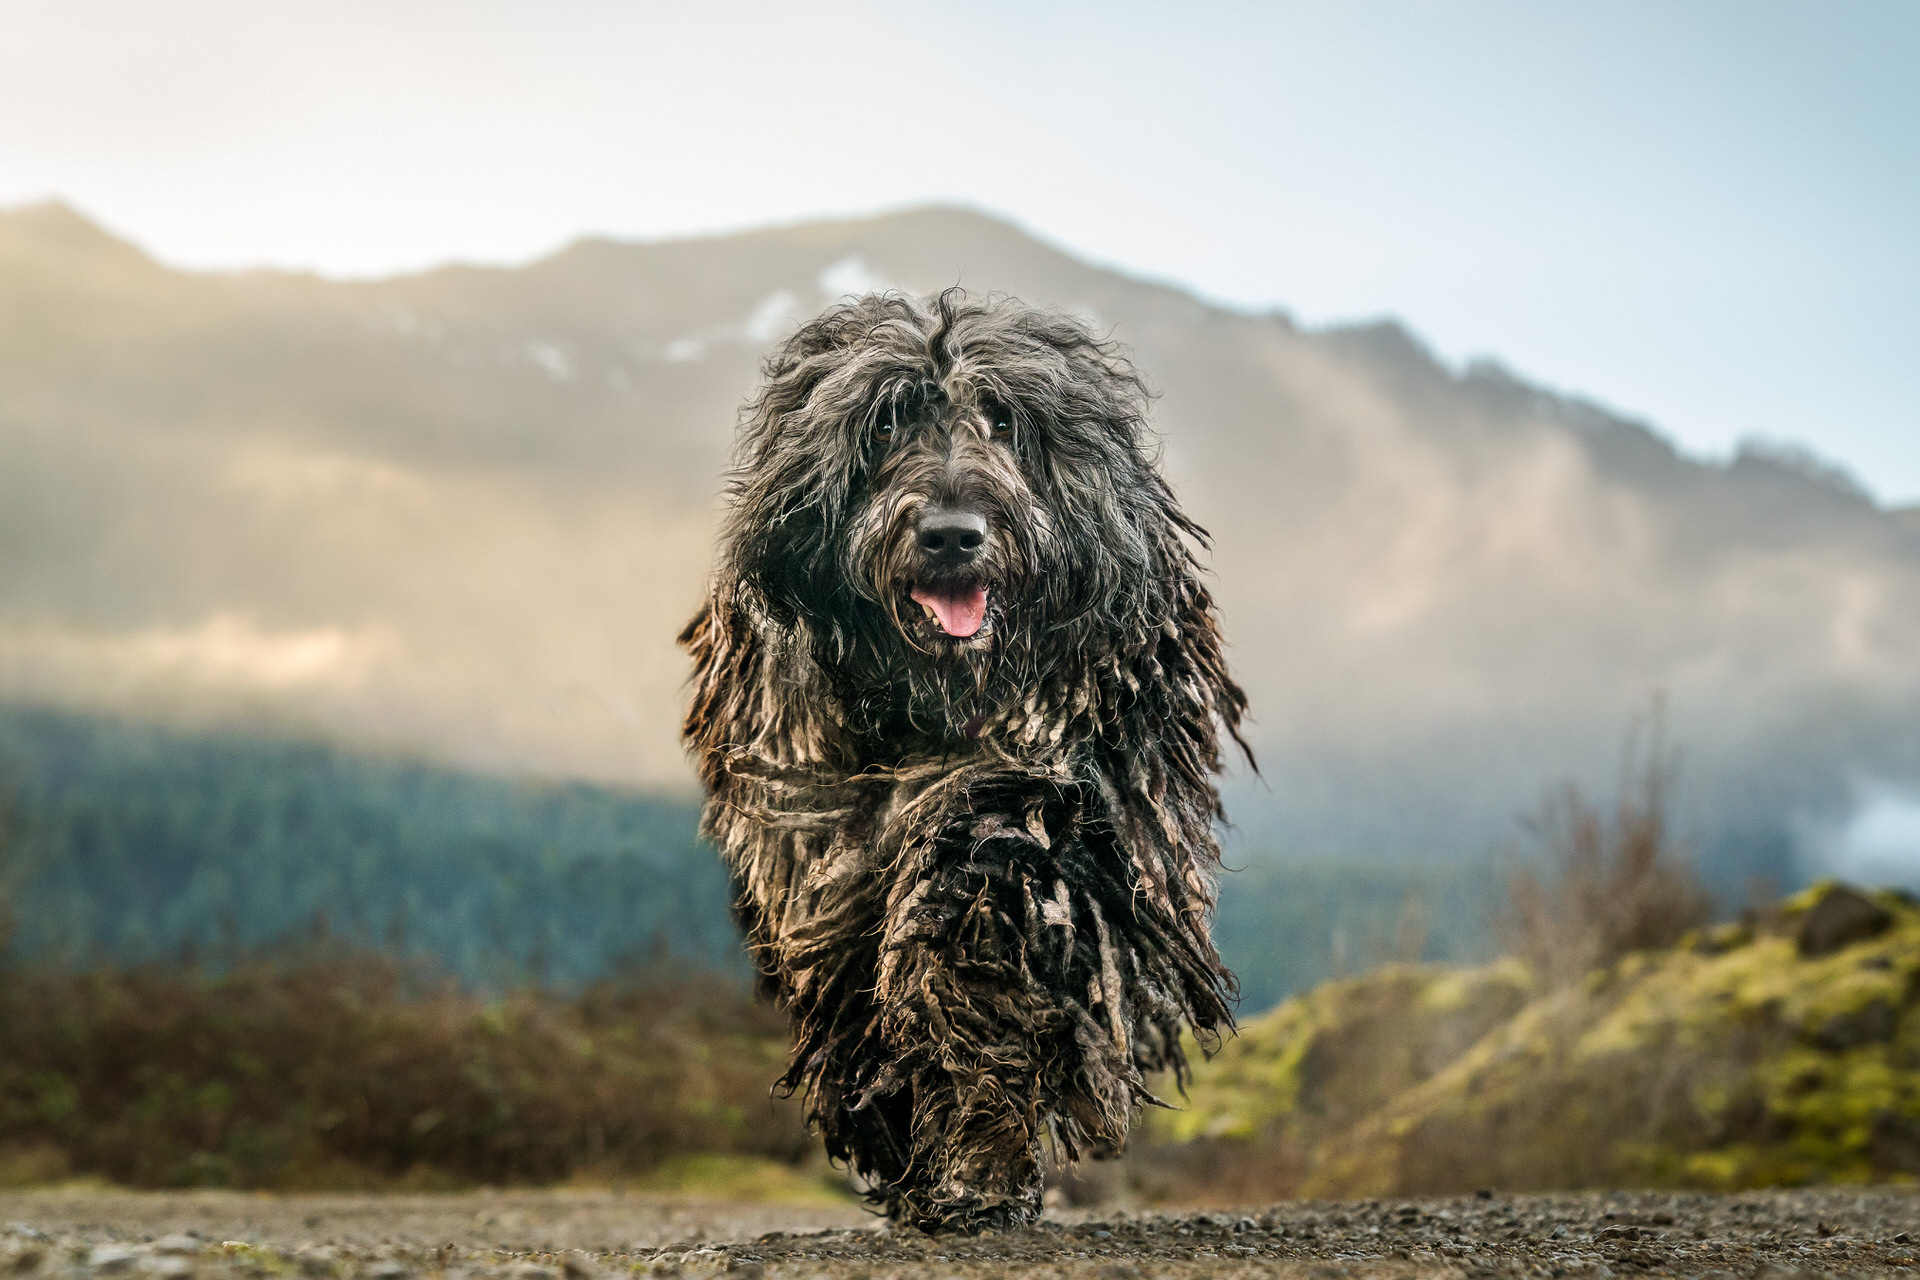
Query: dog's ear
{"type": "Point", "coordinates": [778, 564]}
{"type": "Point", "coordinates": [1188, 699]}
{"type": "Point", "coordinates": [723, 660]}
{"type": "Point", "coordinates": [1198, 646]}
{"type": "Point", "coordinates": [758, 697]}
{"type": "Point", "coordinates": [1215, 698]}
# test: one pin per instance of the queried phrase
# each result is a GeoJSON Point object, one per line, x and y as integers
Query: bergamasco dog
{"type": "Point", "coordinates": [958, 703]}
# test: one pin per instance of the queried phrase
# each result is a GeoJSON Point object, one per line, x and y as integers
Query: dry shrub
{"type": "Point", "coordinates": [1610, 884]}
{"type": "Point", "coordinates": [13, 867]}
{"type": "Point", "coordinates": [340, 1069]}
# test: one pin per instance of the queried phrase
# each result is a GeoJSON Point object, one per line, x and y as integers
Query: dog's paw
{"type": "Point", "coordinates": [968, 1213]}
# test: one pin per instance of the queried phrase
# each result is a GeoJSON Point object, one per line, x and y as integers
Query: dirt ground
{"type": "Point", "coordinates": [610, 1236]}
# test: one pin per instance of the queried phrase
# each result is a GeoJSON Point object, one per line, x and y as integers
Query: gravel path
{"type": "Point", "coordinates": [605, 1236]}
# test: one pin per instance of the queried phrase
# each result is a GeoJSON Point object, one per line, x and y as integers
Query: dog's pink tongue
{"type": "Point", "coordinates": [960, 610]}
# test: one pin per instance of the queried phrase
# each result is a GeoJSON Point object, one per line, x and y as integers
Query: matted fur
{"type": "Point", "coordinates": [978, 874]}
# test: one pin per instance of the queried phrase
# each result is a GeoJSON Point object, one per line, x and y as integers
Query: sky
{"type": "Point", "coordinates": [1702, 214]}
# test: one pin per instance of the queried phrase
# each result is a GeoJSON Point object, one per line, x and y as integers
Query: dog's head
{"type": "Point", "coordinates": [948, 490]}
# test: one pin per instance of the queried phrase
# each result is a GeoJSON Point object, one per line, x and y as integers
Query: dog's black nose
{"type": "Point", "coordinates": [951, 539]}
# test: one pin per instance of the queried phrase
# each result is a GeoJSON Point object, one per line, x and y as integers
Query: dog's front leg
{"type": "Point", "coordinates": [995, 1009]}
{"type": "Point", "coordinates": [965, 1033]}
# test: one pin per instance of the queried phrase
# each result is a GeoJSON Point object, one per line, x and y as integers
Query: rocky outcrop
{"type": "Point", "coordinates": [1785, 1049]}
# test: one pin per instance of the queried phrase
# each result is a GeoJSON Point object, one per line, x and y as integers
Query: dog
{"type": "Point", "coordinates": [958, 703]}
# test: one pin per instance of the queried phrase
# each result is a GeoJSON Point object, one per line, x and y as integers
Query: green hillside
{"type": "Point", "coordinates": [1781, 1050]}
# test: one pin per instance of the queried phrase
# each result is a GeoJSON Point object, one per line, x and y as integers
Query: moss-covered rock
{"type": "Point", "coordinates": [1744, 1056]}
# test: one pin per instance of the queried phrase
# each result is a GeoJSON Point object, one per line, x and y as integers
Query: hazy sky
{"type": "Point", "coordinates": [1702, 213]}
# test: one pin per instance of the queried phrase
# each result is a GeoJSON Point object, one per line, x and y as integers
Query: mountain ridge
{"type": "Point", "coordinates": [467, 508]}
{"type": "Point", "coordinates": [1389, 337]}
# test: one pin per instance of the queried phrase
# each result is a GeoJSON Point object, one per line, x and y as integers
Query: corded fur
{"type": "Point", "coordinates": [978, 875]}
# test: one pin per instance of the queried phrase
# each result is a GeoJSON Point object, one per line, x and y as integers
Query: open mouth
{"type": "Point", "coordinates": [957, 609]}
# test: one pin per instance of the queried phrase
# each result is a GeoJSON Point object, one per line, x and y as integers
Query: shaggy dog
{"type": "Point", "coordinates": [957, 703]}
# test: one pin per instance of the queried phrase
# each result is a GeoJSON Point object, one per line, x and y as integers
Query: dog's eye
{"type": "Point", "coordinates": [1002, 425]}
{"type": "Point", "coordinates": [884, 428]}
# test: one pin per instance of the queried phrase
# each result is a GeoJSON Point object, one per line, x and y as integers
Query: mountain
{"type": "Point", "coordinates": [464, 512]}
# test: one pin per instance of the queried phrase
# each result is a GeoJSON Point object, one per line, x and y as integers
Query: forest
{"type": "Point", "coordinates": [134, 842]}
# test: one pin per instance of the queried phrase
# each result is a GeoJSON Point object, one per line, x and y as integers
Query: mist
{"type": "Point", "coordinates": [464, 513]}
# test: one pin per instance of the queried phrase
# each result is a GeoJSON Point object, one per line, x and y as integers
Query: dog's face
{"type": "Point", "coordinates": [949, 525]}
{"type": "Point", "coordinates": [945, 492]}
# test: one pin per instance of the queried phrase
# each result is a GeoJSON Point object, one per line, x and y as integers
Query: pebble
{"type": "Point", "coordinates": [111, 1258]}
